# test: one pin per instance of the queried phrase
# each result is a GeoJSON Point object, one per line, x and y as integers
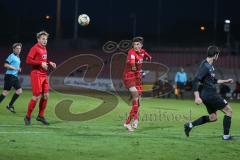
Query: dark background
{"type": "Point", "coordinates": [166, 22]}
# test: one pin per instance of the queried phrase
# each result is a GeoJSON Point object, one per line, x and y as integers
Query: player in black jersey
{"type": "Point", "coordinates": [209, 96]}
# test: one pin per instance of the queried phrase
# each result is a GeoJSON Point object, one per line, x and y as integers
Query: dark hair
{"type": "Point", "coordinates": [16, 44]}
{"type": "Point", "coordinates": [138, 39]}
{"type": "Point", "coordinates": [212, 51]}
{"type": "Point", "coordinates": [39, 34]}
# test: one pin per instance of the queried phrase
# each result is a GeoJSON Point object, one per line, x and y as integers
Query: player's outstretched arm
{"type": "Point", "coordinates": [220, 81]}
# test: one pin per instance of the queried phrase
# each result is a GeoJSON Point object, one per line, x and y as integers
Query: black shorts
{"type": "Point", "coordinates": [214, 103]}
{"type": "Point", "coordinates": [180, 86]}
{"type": "Point", "coordinates": [11, 81]}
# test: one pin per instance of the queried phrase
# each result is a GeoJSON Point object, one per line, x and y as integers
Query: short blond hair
{"type": "Point", "coordinates": [42, 33]}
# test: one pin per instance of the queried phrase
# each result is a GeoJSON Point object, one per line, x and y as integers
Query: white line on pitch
{"type": "Point", "coordinates": [23, 132]}
{"type": "Point", "coordinates": [33, 126]}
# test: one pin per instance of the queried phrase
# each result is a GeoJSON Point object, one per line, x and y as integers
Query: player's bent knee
{"type": "Point", "coordinates": [213, 117]}
{"type": "Point", "coordinates": [134, 92]}
{"type": "Point", "coordinates": [36, 98]}
{"type": "Point", "coordinates": [228, 111]}
{"type": "Point", "coordinates": [46, 95]}
{"type": "Point", "coordinates": [133, 89]}
{"type": "Point", "coordinates": [5, 93]}
{"type": "Point", "coordinates": [19, 91]}
{"type": "Point", "coordinates": [135, 96]}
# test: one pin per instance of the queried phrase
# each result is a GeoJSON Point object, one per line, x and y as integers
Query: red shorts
{"type": "Point", "coordinates": [131, 80]}
{"type": "Point", "coordinates": [39, 83]}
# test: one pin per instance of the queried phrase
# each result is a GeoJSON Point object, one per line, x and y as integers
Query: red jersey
{"type": "Point", "coordinates": [36, 56]}
{"type": "Point", "coordinates": [135, 59]}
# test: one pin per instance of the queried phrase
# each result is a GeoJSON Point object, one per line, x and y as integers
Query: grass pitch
{"type": "Point", "coordinates": [159, 136]}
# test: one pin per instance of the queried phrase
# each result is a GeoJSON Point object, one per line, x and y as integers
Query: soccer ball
{"type": "Point", "coordinates": [83, 20]}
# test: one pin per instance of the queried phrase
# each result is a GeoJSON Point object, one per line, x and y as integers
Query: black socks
{"type": "Point", "coordinates": [201, 120]}
{"type": "Point", "coordinates": [226, 124]}
{"type": "Point", "coordinates": [14, 98]}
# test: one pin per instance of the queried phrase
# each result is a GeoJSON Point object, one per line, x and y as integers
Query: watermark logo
{"type": "Point", "coordinates": [160, 115]}
{"type": "Point", "coordinates": [95, 69]}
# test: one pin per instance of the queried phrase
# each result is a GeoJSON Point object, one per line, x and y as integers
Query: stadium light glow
{"type": "Point", "coordinates": [47, 17]}
{"type": "Point", "coordinates": [202, 28]}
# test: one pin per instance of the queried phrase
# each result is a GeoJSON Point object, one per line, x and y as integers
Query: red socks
{"type": "Point", "coordinates": [42, 106]}
{"type": "Point", "coordinates": [134, 112]}
{"type": "Point", "coordinates": [31, 106]}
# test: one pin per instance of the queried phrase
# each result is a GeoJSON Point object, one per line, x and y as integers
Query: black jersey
{"type": "Point", "coordinates": [205, 75]}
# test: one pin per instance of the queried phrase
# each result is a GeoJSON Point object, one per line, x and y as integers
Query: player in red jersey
{"type": "Point", "coordinates": [132, 77]}
{"type": "Point", "coordinates": [37, 57]}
